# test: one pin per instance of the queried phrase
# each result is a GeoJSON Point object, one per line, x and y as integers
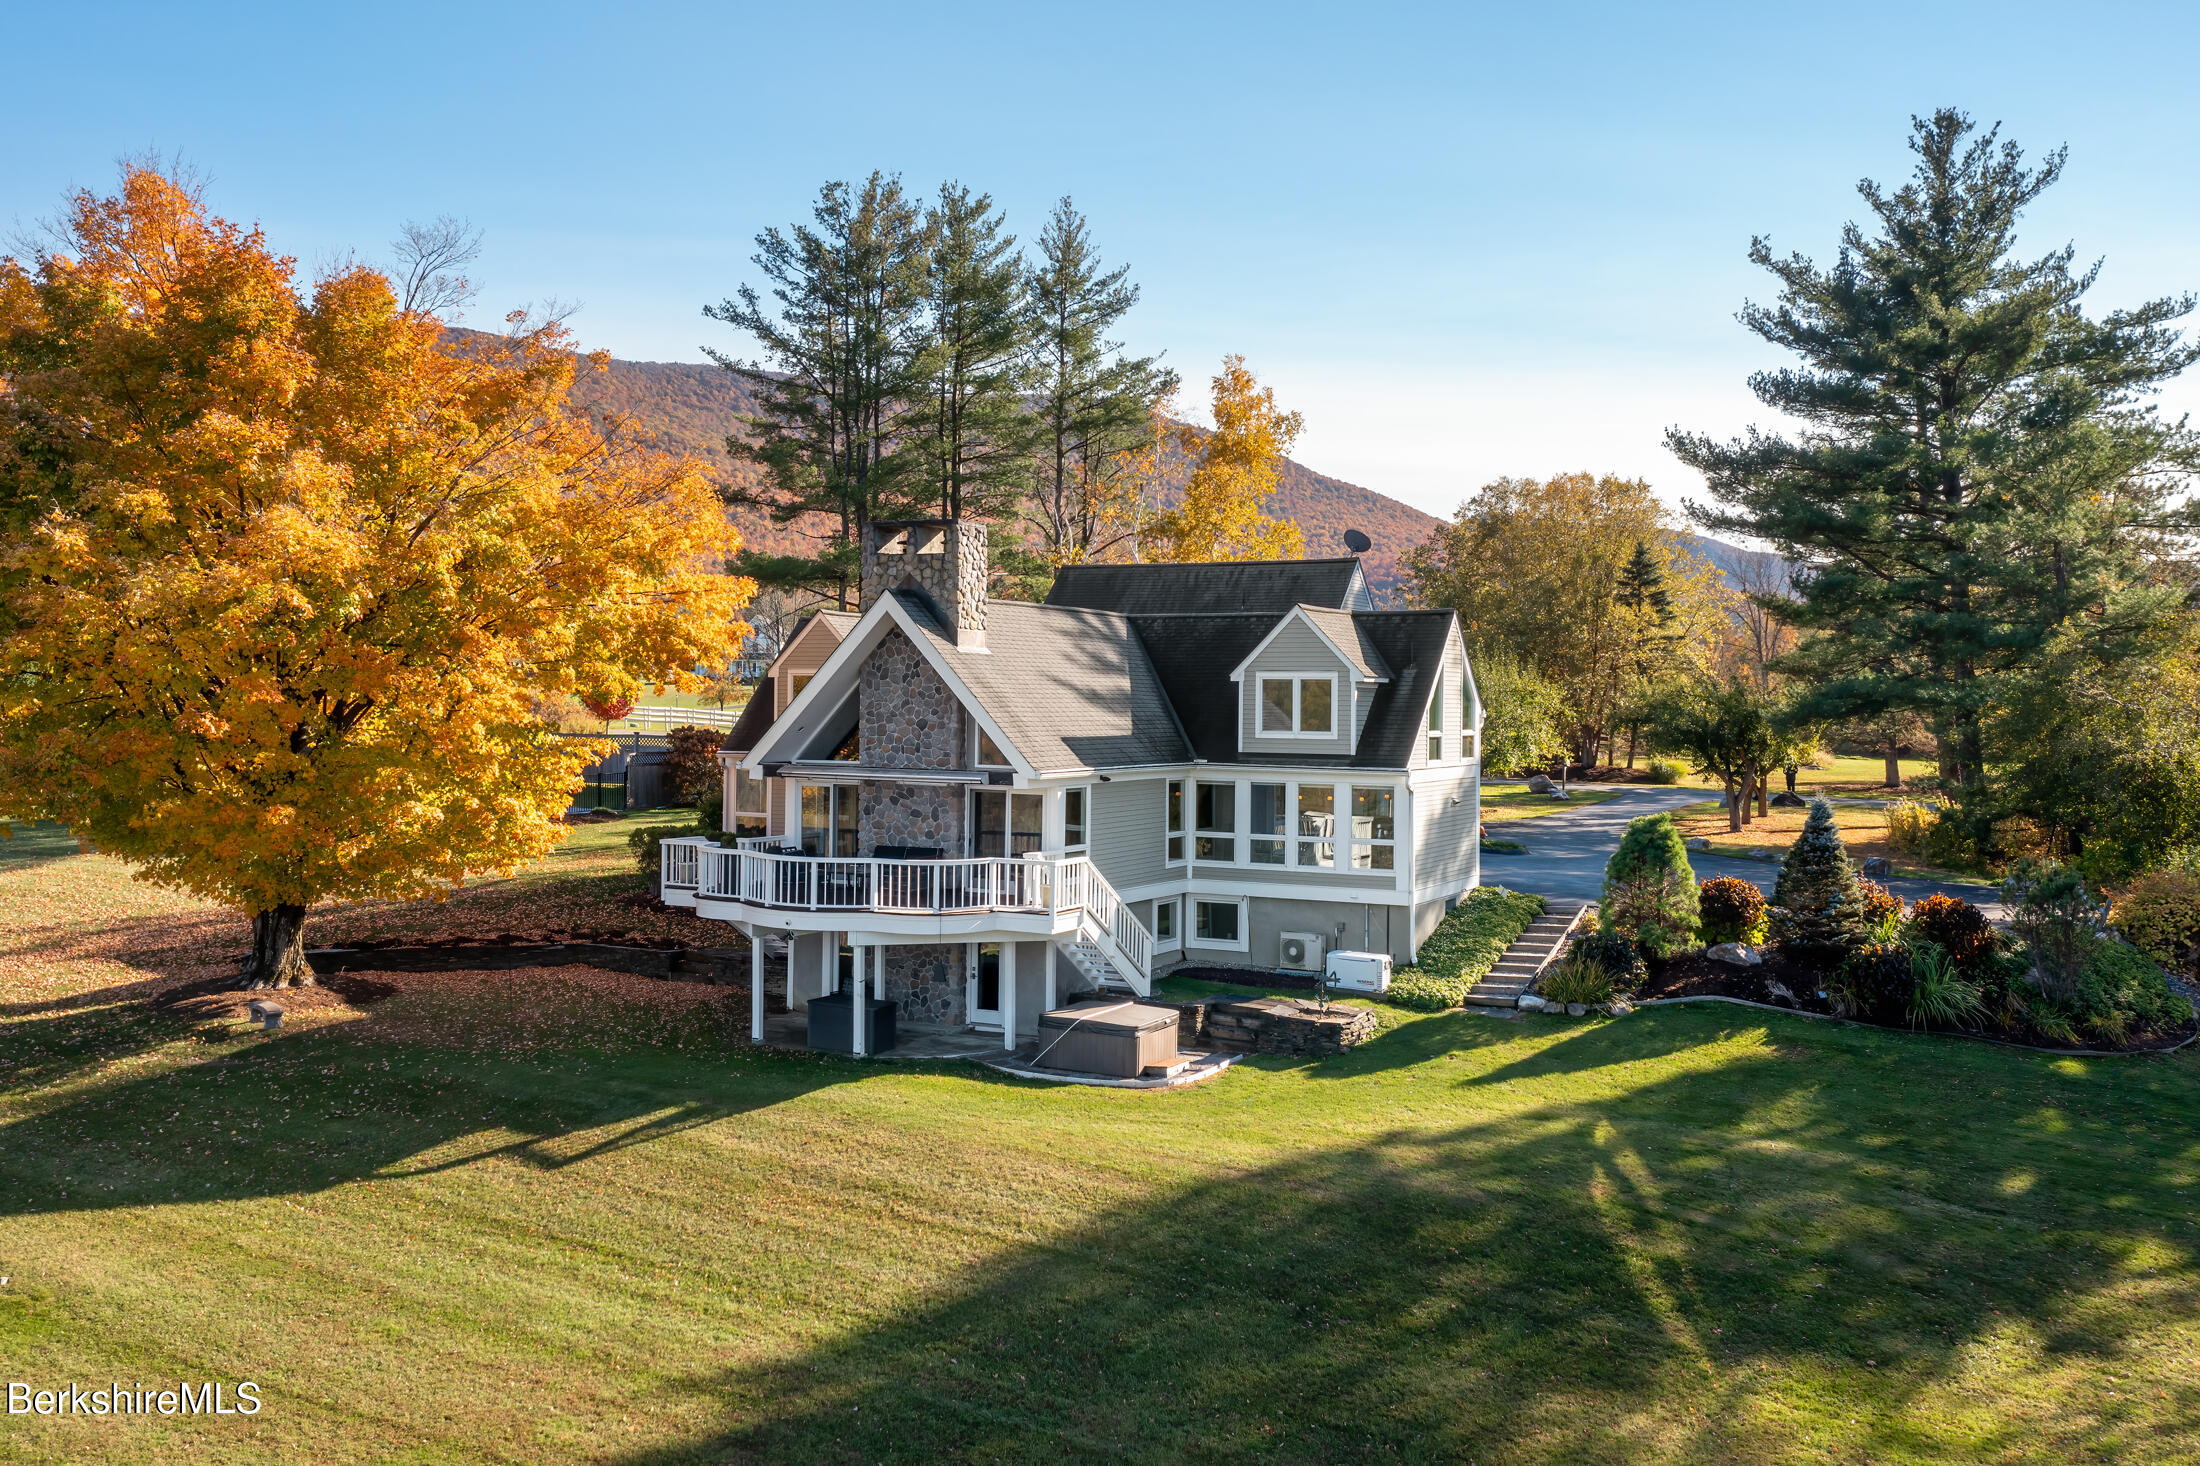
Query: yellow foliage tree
{"type": "Point", "coordinates": [284, 574]}
{"type": "Point", "coordinates": [1535, 567]}
{"type": "Point", "coordinates": [1224, 513]}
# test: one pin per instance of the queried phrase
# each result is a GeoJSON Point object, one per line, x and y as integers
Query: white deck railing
{"type": "Point", "coordinates": [1055, 885]}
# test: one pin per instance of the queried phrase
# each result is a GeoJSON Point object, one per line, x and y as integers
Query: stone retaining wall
{"type": "Point", "coordinates": [1268, 1025]}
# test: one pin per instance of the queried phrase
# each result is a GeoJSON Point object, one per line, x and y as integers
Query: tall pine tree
{"type": "Point", "coordinates": [841, 339]}
{"type": "Point", "coordinates": [1094, 406]}
{"type": "Point", "coordinates": [969, 429]}
{"type": "Point", "coordinates": [1978, 475]}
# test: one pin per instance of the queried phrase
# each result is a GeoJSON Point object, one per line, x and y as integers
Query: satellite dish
{"type": "Point", "coordinates": [1357, 543]}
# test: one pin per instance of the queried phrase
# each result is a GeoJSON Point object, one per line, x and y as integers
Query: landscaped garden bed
{"type": "Point", "coordinates": [2062, 975]}
{"type": "Point", "coordinates": [1464, 947]}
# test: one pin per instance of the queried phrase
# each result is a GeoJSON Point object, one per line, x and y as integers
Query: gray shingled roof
{"type": "Point", "coordinates": [1220, 588]}
{"type": "Point", "coordinates": [1195, 655]}
{"type": "Point", "coordinates": [1344, 628]}
{"type": "Point", "coordinates": [1071, 688]}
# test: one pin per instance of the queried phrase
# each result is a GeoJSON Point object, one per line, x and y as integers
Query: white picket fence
{"type": "Point", "coordinates": [659, 717]}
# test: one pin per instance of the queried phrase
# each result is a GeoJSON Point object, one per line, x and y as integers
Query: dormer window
{"type": "Point", "coordinates": [1298, 706]}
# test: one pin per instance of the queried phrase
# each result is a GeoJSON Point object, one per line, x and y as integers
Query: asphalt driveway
{"type": "Point", "coordinates": [1567, 851]}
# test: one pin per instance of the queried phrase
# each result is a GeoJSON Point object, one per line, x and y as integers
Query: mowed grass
{"type": "Point", "coordinates": [1689, 1235]}
{"type": "Point", "coordinates": [1502, 804]}
{"type": "Point", "coordinates": [1863, 825]}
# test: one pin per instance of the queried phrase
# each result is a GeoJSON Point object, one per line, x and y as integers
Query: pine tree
{"type": "Point", "coordinates": [841, 343]}
{"type": "Point", "coordinates": [1980, 476]}
{"type": "Point", "coordinates": [1095, 407]}
{"type": "Point", "coordinates": [1818, 907]}
{"type": "Point", "coordinates": [970, 430]}
{"type": "Point", "coordinates": [1642, 591]}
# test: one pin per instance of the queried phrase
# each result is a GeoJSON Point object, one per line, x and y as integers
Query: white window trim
{"type": "Point", "coordinates": [1183, 855]}
{"type": "Point", "coordinates": [1353, 841]}
{"type": "Point", "coordinates": [1189, 923]}
{"type": "Point", "coordinates": [1061, 808]}
{"type": "Point", "coordinates": [1175, 940]}
{"type": "Point", "coordinates": [1235, 834]}
{"type": "Point", "coordinates": [1298, 681]}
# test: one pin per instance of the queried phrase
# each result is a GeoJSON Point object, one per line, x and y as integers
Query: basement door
{"type": "Point", "coordinates": [982, 992]}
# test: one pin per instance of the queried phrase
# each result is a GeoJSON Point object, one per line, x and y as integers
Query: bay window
{"type": "Point", "coordinates": [1374, 828]}
{"type": "Point", "coordinates": [1265, 845]}
{"type": "Point", "coordinates": [1317, 824]}
{"type": "Point", "coordinates": [1214, 813]}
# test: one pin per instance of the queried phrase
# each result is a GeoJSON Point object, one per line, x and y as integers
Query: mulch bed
{"type": "Point", "coordinates": [1255, 976]}
{"type": "Point", "coordinates": [1697, 976]}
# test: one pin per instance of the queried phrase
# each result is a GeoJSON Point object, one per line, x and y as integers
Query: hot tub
{"type": "Point", "coordinates": [1116, 1038]}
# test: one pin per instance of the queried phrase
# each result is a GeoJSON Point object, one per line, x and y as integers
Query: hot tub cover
{"type": "Point", "coordinates": [1102, 1016]}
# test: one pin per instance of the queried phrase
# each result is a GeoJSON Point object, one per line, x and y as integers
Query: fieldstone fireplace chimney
{"type": "Point", "coordinates": [944, 558]}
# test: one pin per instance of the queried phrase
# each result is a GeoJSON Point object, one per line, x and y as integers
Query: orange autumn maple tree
{"type": "Point", "coordinates": [284, 572]}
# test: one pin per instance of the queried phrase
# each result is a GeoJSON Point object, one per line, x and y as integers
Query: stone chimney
{"type": "Point", "coordinates": [944, 558]}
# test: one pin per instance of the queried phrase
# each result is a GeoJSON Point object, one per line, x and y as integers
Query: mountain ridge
{"type": "Point", "coordinates": [689, 408]}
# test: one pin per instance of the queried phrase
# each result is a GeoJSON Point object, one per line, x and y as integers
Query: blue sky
{"type": "Point", "coordinates": [1464, 240]}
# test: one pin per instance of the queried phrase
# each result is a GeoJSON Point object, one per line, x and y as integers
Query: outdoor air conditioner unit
{"type": "Point", "coordinates": [1299, 951]}
{"type": "Point", "coordinates": [1360, 972]}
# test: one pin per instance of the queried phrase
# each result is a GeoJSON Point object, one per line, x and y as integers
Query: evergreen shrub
{"type": "Point", "coordinates": [1818, 912]}
{"type": "Point", "coordinates": [2058, 920]}
{"type": "Point", "coordinates": [1874, 982]}
{"type": "Point", "coordinates": [1615, 954]}
{"type": "Point", "coordinates": [1650, 889]}
{"type": "Point", "coordinates": [1732, 910]}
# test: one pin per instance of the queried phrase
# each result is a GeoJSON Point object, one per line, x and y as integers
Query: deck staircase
{"type": "Point", "coordinates": [1525, 959]}
{"type": "Point", "coordinates": [1086, 959]}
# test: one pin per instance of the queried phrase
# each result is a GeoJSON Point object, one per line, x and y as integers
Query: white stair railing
{"type": "Point", "coordinates": [1114, 928]}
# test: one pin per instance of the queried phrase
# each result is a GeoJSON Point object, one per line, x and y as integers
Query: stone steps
{"type": "Point", "coordinates": [1523, 962]}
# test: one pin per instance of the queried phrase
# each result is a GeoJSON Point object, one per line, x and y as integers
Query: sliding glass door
{"type": "Point", "coordinates": [829, 819]}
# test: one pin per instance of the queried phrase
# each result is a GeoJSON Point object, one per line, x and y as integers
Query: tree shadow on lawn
{"type": "Point", "coordinates": [1710, 1265]}
{"type": "Point", "coordinates": [315, 1108]}
{"type": "Point", "coordinates": [37, 843]}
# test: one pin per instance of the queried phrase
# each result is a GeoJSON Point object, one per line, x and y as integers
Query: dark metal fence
{"type": "Point", "coordinates": [630, 776]}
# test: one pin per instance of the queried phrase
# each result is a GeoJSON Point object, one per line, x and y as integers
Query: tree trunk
{"type": "Point", "coordinates": [1894, 768]}
{"type": "Point", "coordinates": [278, 958]}
{"type": "Point", "coordinates": [1764, 797]}
{"type": "Point", "coordinates": [1633, 730]}
{"type": "Point", "coordinates": [1733, 810]}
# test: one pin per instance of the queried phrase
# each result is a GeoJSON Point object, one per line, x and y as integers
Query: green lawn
{"type": "Point", "coordinates": [1502, 803]}
{"type": "Point", "coordinates": [1689, 1235]}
